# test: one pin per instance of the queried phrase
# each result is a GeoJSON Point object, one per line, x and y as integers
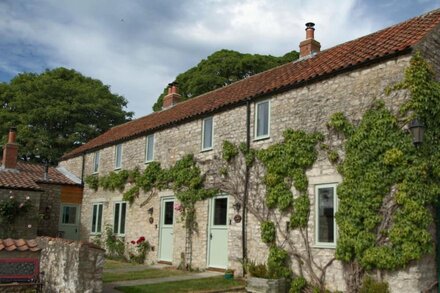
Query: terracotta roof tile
{"type": "Point", "coordinates": [18, 244]}
{"type": "Point", "coordinates": [382, 43]}
{"type": "Point", "coordinates": [28, 175]}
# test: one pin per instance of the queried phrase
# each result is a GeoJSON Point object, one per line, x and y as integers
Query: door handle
{"type": "Point", "coordinates": [210, 236]}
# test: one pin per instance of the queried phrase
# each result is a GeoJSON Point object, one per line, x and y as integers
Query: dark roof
{"type": "Point", "coordinates": [18, 245]}
{"type": "Point", "coordinates": [387, 42]}
{"type": "Point", "coordinates": [28, 175]}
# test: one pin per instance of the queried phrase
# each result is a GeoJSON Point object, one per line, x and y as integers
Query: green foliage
{"type": "Point", "coordinates": [268, 232]}
{"type": "Point", "coordinates": [300, 216]}
{"type": "Point", "coordinates": [92, 181]}
{"type": "Point", "coordinates": [333, 156]}
{"type": "Point", "coordinates": [297, 285]}
{"type": "Point", "coordinates": [339, 122]}
{"type": "Point", "coordinates": [379, 157]}
{"type": "Point", "coordinates": [278, 263]}
{"type": "Point", "coordinates": [138, 250]}
{"type": "Point", "coordinates": [230, 151]}
{"type": "Point", "coordinates": [222, 68]}
{"type": "Point", "coordinates": [56, 111]}
{"type": "Point", "coordinates": [287, 162]}
{"type": "Point", "coordinates": [114, 245]}
{"type": "Point", "coordinates": [370, 285]}
{"type": "Point", "coordinates": [11, 209]}
{"type": "Point", "coordinates": [257, 270]}
{"type": "Point", "coordinates": [114, 180]}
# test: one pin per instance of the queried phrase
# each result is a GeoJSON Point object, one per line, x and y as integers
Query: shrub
{"type": "Point", "coordinates": [257, 270]}
{"type": "Point", "coordinates": [370, 285]}
{"type": "Point", "coordinates": [297, 285]}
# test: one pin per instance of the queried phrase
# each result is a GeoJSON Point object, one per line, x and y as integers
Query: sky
{"type": "Point", "coordinates": [137, 47]}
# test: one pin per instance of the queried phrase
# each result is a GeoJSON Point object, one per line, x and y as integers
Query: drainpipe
{"type": "Point", "coordinates": [246, 183]}
{"type": "Point", "coordinates": [82, 168]}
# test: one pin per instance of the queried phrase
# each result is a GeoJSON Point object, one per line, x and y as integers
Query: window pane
{"type": "Point", "coordinates": [150, 148]}
{"type": "Point", "coordinates": [220, 211]}
{"type": "Point", "coordinates": [326, 215]}
{"type": "Point", "coordinates": [69, 215]}
{"type": "Point", "coordinates": [116, 221]}
{"type": "Point", "coordinates": [122, 227]}
{"type": "Point", "coordinates": [98, 228]}
{"type": "Point", "coordinates": [207, 133]}
{"type": "Point", "coordinates": [96, 162]}
{"type": "Point", "coordinates": [118, 155]}
{"type": "Point", "coordinates": [94, 218]}
{"type": "Point", "coordinates": [169, 213]}
{"type": "Point", "coordinates": [262, 119]}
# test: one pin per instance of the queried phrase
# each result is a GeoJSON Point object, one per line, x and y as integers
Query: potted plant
{"type": "Point", "coordinates": [229, 274]}
{"type": "Point", "coordinates": [260, 280]}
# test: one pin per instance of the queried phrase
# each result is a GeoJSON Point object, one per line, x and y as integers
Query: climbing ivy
{"type": "Point", "coordinates": [268, 232]}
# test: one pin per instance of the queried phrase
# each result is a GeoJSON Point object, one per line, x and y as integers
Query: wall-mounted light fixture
{"type": "Point", "coordinates": [150, 211]}
{"type": "Point", "coordinates": [237, 207]}
{"type": "Point", "coordinates": [417, 129]}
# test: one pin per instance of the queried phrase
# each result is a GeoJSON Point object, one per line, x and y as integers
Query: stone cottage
{"type": "Point", "coordinates": [48, 198]}
{"type": "Point", "coordinates": [257, 110]}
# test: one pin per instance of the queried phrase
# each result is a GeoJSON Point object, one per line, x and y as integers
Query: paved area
{"type": "Point", "coordinates": [110, 287]}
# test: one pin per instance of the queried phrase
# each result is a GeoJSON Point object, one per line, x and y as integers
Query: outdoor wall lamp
{"type": "Point", "coordinates": [150, 211]}
{"type": "Point", "coordinates": [417, 129]}
{"type": "Point", "coordinates": [237, 206]}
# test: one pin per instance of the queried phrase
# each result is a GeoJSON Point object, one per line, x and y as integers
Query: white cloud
{"type": "Point", "coordinates": [137, 47]}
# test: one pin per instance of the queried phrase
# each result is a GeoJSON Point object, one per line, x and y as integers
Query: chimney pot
{"type": "Point", "coordinates": [309, 46]}
{"type": "Point", "coordinates": [12, 135]}
{"type": "Point", "coordinates": [10, 151]}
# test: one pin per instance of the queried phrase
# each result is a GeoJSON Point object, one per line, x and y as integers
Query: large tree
{"type": "Point", "coordinates": [56, 111]}
{"type": "Point", "coordinates": [222, 68]}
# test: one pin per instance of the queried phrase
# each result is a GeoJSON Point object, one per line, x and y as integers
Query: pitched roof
{"type": "Point", "coordinates": [28, 175]}
{"type": "Point", "coordinates": [18, 245]}
{"type": "Point", "coordinates": [383, 43]}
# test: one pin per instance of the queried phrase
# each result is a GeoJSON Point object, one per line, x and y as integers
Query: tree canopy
{"type": "Point", "coordinates": [222, 68]}
{"type": "Point", "coordinates": [56, 111]}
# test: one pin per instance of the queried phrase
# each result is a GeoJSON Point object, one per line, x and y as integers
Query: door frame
{"type": "Point", "coordinates": [210, 224]}
{"type": "Point", "coordinates": [162, 201]}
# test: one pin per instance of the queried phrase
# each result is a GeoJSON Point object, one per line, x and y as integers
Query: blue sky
{"type": "Point", "coordinates": [137, 47]}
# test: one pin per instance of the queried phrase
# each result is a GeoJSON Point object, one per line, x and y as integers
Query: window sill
{"type": "Point", "coordinates": [324, 245]}
{"type": "Point", "coordinates": [262, 138]}
{"type": "Point", "coordinates": [95, 173]}
{"type": "Point", "coordinates": [148, 162]}
{"type": "Point", "coordinates": [206, 150]}
{"type": "Point", "coordinates": [96, 234]}
{"type": "Point", "coordinates": [117, 168]}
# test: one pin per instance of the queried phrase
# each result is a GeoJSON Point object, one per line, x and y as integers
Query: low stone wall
{"type": "Point", "coordinates": [71, 266]}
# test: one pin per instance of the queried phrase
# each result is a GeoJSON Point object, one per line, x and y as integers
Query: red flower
{"type": "Point", "coordinates": [133, 242]}
{"type": "Point", "coordinates": [140, 240]}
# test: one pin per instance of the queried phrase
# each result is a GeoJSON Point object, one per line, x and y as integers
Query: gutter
{"type": "Point", "coordinates": [246, 185]}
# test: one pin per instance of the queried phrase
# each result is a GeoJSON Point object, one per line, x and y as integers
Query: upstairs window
{"type": "Point", "coordinates": [96, 162]}
{"type": "Point", "coordinates": [326, 206]}
{"type": "Point", "coordinates": [97, 218]}
{"type": "Point", "coordinates": [118, 156]}
{"type": "Point", "coordinates": [149, 148]}
{"type": "Point", "coordinates": [119, 218]}
{"type": "Point", "coordinates": [207, 134]}
{"type": "Point", "coordinates": [262, 117]}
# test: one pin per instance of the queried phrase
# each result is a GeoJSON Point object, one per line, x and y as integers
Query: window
{"type": "Point", "coordinates": [220, 211]}
{"type": "Point", "coordinates": [118, 156]}
{"type": "Point", "coordinates": [262, 117]}
{"type": "Point", "coordinates": [149, 148]}
{"type": "Point", "coordinates": [119, 221]}
{"type": "Point", "coordinates": [326, 206]}
{"type": "Point", "coordinates": [169, 213]}
{"type": "Point", "coordinates": [69, 215]}
{"type": "Point", "coordinates": [96, 162]}
{"type": "Point", "coordinates": [97, 218]}
{"type": "Point", "coordinates": [207, 131]}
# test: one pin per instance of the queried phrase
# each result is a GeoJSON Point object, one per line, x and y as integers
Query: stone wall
{"type": "Point", "coordinates": [24, 227]}
{"type": "Point", "coordinates": [49, 210]}
{"type": "Point", "coordinates": [71, 266]}
{"type": "Point", "coordinates": [308, 108]}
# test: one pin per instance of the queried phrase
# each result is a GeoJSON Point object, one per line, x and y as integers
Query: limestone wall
{"type": "Point", "coordinates": [49, 210]}
{"type": "Point", "coordinates": [308, 108]}
{"type": "Point", "coordinates": [70, 266]}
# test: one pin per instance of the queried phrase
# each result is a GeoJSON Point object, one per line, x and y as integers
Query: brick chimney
{"type": "Point", "coordinates": [173, 96]}
{"type": "Point", "coordinates": [10, 151]}
{"type": "Point", "coordinates": [309, 46]}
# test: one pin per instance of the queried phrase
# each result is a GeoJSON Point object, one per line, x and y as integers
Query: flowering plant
{"type": "Point", "coordinates": [11, 209]}
{"type": "Point", "coordinates": [178, 207]}
{"type": "Point", "coordinates": [138, 250]}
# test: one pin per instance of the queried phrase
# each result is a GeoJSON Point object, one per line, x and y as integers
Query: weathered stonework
{"type": "Point", "coordinates": [49, 211]}
{"type": "Point", "coordinates": [307, 108]}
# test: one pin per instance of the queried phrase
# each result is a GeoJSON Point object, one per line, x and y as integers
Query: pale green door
{"type": "Point", "coordinates": [166, 229]}
{"type": "Point", "coordinates": [69, 221]}
{"type": "Point", "coordinates": [218, 233]}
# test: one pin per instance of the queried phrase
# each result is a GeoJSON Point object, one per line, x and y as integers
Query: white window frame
{"type": "Point", "coordinates": [97, 204]}
{"type": "Point", "coordinates": [119, 218]}
{"type": "Point", "coordinates": [256, 137]}
{"type": "Point", "coordinates": [116, 157]}
{"type": "Point", "coordinates": [335, 209]}
{"type": "Point", "coordinates": [96, 162]}
{"type": "Point", "coordinates": [147, 140]}
{"type": "Point", "coordinates": [203, 134]}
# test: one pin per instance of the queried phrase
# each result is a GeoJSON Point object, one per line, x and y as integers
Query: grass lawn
{"type": "Point", "coordinates": [117, 264]}
{"type": "Point", "coordinates": [136, 275]}
{"type": "Point", "coordinates": [185, 286]}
